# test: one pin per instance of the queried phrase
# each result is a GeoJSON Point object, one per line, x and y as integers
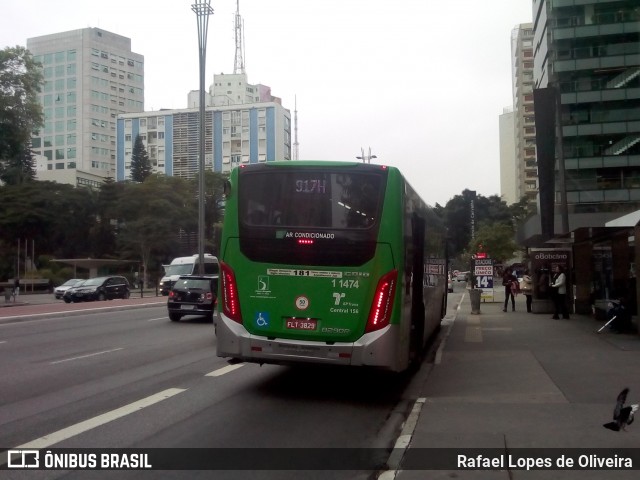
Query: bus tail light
{"type": "Point", "coordinates": [230, 298]}
{"type": "Point", "coordinates": [382, 305]}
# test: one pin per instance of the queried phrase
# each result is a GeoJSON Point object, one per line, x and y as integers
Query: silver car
{"type": "Point", "coordinates": [58, 292]}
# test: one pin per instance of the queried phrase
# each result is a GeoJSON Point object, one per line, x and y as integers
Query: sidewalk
{"type": "Point", "coordinates": [509, 380]}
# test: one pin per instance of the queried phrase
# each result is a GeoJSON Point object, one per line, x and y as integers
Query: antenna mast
{"type": "Point", "coordinates": [238, 65]}
{"type": "Point", "coordinates": [296, 145]}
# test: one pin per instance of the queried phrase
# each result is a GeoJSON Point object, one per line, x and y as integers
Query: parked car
{"type": "Point", "coordinates": [58, 292]}
{"type": "Point", "coordinates": [99, 288]}
{"type": "Point", "coordinates": [462, 277]}
{"type": "Point", "coordinates": [193, 295]}
{"type": "Point", "coordinates": [66, 296]}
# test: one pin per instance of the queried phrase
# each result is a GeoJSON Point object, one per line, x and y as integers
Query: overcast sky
{"type": "Point", "coordinates": [420, 82]}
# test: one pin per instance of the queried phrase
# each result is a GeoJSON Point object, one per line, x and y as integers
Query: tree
{"type": "Point", "coordinates": [496, 240]}
{"type": "Point", "coordinates": [150, 216]}
{"type": "Point", "coordinates": [140, 163]}
{"type": "Point", "coordinates": [213, 209]}
{"type": "Point", "coordinates": [58, 217]}
{"type": "Point", "coordinates": [457, 217]}
{"type": "Point", "coordinates": [103, 232]}
{"type": "Point", "coordinates": [19, 169]}
{"type": "Point", "coordinates": [20, 113]}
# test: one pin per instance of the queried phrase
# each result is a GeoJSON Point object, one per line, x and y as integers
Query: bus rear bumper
{"type": "Point", "coordinates": [375, 349]}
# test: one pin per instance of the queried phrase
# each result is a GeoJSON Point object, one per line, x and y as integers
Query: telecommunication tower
{"type": "Point", "coordinates": [238, 64]}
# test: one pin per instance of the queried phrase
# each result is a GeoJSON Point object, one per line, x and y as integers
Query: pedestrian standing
{"type": "Point", "coordinates": [507, 282]}
{"type": "Point", "coordinates": [16, 288]}
{"type": "Point", "coordinates": [559, 287]}
{"type": "Point", "coordinates": [527, 288]}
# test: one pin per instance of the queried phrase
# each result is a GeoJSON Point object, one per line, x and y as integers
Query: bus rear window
{"type": "Point", "coordinates": [310, 199]}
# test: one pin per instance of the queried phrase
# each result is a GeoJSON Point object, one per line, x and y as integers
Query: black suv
{"type": "Point", "coordinates": [193, 295]}
{"type": "Point", "coordinates": [99, 288]}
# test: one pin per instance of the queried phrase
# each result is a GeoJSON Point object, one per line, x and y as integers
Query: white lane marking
{"type": "Point", "coordinates": [64, 313]}
{"type": "Point", "coordinates": [157, 319]}
{"type": "Point", "coordinates": [403, 441]}
{"type": "Point", "coordinates": [78, 428]}
{"type": "Point", "coordinates": [86, 356]}
{"type": "Point", "coordinates": [223, 370]}
{"type": "Point", "coordinates": [3, 341]}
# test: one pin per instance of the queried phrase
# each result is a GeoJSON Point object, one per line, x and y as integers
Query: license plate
{"type": "Point", "coordinates": [301, 324]}
{"type": "Point", "coordinates": [187, 307]}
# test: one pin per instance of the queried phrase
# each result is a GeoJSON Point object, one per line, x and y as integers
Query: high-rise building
{"type": "Point", "coordinates": [90, 77]}
{"type": "Point", "coordinates": [518, 169]}
{"type": "Point", "coordinates": [234, 135]}
{"type": "Point", "coordinates": [509, 191]}
{"type": "Point", "coordinates": [523, 108]}
{"type": "Point", "coordinates": [587, 74]}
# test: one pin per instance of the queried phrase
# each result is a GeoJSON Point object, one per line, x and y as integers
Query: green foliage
{"type": "Point", "coordinates": [496, 240]}
{"type": "Point", "coordinates": [457, 217]}
{"type": "Point", "coordinates": [123, 220]}
{"type": "Point", "coordinates": [495, 226]}
{"type": "Point", "coordinates": [20, 113]}
{"type": "Point", "coordinates": [140, 163]}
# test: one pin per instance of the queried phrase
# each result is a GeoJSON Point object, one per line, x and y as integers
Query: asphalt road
{"type": "Point", "coordinates": [111, 376]}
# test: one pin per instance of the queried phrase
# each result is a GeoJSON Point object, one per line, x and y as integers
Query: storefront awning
{"type": "Point", "coordinates": [629, 220]}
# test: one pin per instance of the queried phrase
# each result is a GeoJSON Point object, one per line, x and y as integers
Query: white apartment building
{"type": "Point", "coordinates": [518, 167]}
{"type": "Point", "coordinates": [525, 130]}
{"type": "Point", "coordinates": [244, 124]}
{"type": "Point", "coordinates": [90, 77]}
{"type": "Point", "coordinates": [234, 135]}
{"type": "Point", "coordinates": [509, 191]}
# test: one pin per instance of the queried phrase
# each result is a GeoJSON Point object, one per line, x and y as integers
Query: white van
{"type": "Point", "coordinates": [186, 266]}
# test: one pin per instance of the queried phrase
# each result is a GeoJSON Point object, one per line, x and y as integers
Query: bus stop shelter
{"type": "Point", "coordinates": [92, 264]}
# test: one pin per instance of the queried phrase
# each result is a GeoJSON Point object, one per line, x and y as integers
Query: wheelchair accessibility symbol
{"type": "Point", "coordinates": [262, 319]}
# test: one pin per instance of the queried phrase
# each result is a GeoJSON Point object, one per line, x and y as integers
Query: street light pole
{"type": "Point", "coordinates": [202, 9]}
{"type": "Point", "coordinates": [366, 159]}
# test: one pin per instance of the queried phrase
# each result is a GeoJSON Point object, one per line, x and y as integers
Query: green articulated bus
{"type": "Point", "coordinates": [337, 263]}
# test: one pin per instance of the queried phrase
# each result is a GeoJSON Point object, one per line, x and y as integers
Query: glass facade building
{"type": "Point", "coordinates": [587, 53]}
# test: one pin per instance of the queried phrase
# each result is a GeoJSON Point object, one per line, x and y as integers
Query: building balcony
{"type": "Point", "coordinates": [621, 195]}
{"type": "Point", "coordinates": [596, 96]}
{"type": "Point", "coordinates": [602, 28]}
{"type": "Point", "coordinates": [608, 128]}
{"type": "Point", "coordinates": [574, 162]}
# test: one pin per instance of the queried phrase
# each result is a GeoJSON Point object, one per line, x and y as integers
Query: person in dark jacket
{"type": "Point", "coordinates": [507, 282]}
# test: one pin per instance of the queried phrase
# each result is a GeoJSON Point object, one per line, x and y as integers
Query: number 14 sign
{"type": "Point", "coordinates": [483, 272]}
